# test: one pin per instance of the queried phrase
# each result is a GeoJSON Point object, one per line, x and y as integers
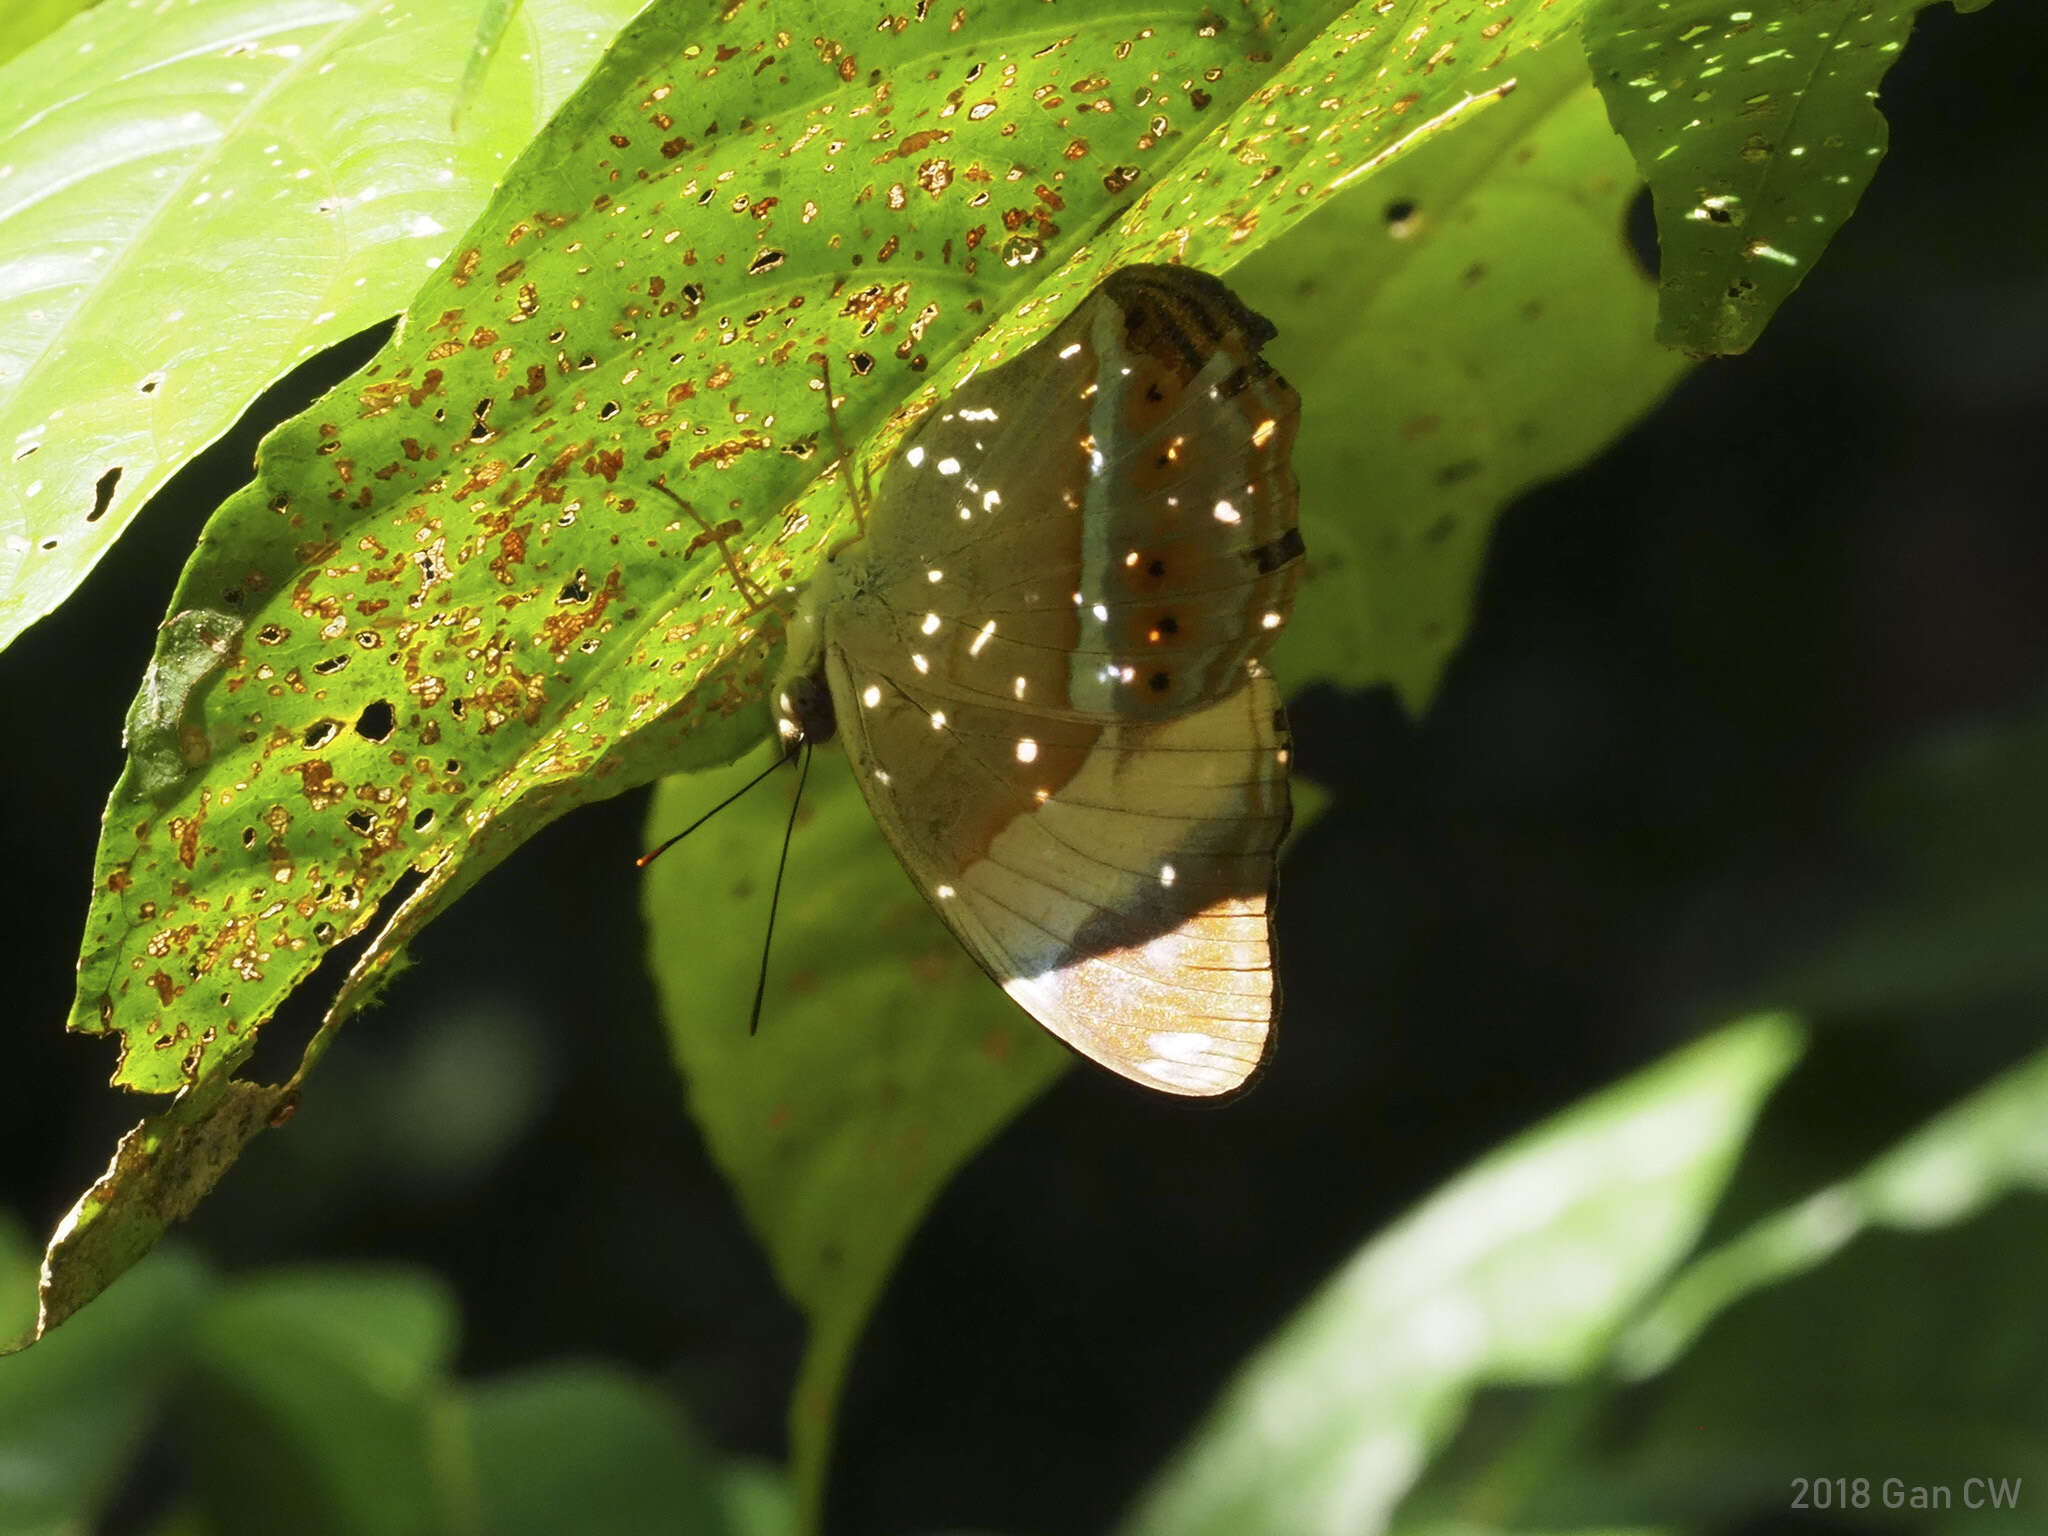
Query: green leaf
{"type": "Point", "coordinates": [1990, 1144]}
{"type": "Point", "coordinates": [1518, 1271]}
{"type": "Point", "coordinates": [491, 26]}
{"type": "Point", "coordinates": [1885, 1325]}
{"type": "Point", "coordinates": [1494, 335]}
{"type": "Point", "coordinates": [467, 604]}
{"type": "Point", "coordinates": [74, 1412]}
{"type": "Point", "coordinates": [196, 198]}
{"type": "Point", "coordinates": [1758, 130]}
{"type": "Point", "coordinates": [30, 21]}
{"type": "Point", "coordinates": [885, 1058]}
{"type": "Point", "coordinates": [322, 1392]}
{"type": "Point", "coordinates": [1913, 1362]}
{"type": "Point", "coordinates": [588, 1448]}
{"type": "Point", "coordinates": [161, 1170]}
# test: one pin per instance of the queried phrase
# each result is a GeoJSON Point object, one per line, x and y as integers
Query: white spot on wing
{"type": "Point", "coordinates": [917, 660]}
{"type": "Point", "coordinates": [982, 639]}
{"type": "Point", "coordinates": [948, 466]}
{"type": "Point", "coordinates": [938, 719]}
{"type": "Point", "coordinates": [1226, 513]}
{"type": "Point", "coordinates": [1166, 874]}
{"type": "Point", "coordinates": [871, 695]}
{"type": "Point", "coordinates": [1027, 750]}
{"type": "Point", "coordinates": [915, 455]}
{"type": "Point", "coordinates": [931, 624]}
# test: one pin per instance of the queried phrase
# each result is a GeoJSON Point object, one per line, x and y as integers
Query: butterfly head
{"type": "Point", "coordinates": [803, 711]}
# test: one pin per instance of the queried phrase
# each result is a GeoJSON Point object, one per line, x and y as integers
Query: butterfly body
{"type": "Point", "coordinates": [1043, 659]}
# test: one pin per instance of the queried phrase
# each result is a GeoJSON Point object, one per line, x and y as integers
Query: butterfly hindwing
{"type": "Point", "coordinates": [1115, 878]}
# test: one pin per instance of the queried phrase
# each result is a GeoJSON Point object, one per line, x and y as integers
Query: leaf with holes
{"type": "Point", "coordinates": [193, 199]}
{"type": "Point", "coordinates": [1758, 131]}
{"type": "Point", "coordinates": [835, 1138]}
{"type": "Point", "coordinates": [161, 1170]}
{"type": "Point", "coordinates": [494, 575]}
{"type": "Point", "coordinates": [1495, 332]}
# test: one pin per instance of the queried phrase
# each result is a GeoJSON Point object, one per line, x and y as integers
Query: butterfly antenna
{"type": "Point", "coordinates": [862, 497]}
{"type": "Point", "coordinates": [757, 599]}
{"type": "Point", "coordinates": [646, 859]}
{"type": "Point", "coordinates": [761, 984]}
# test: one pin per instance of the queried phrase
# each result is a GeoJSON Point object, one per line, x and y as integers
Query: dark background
{"type": "Point", "coordinates": [1623, 816]}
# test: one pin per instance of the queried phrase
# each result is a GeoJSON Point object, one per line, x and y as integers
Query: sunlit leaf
{"type": "Point", "coordinates": [1758, 129]}
{"type": "Point", "coordinates": [1468, 323]}
{"type": "Point", "coordinates": [885, 1057]}
{"type": "Point", "coordinates": [1519, 1270]}
{"type": "Point", "coordinates": [467, 605]}
{"type": "Point", "coordinates": [491, 25]}
{"type": "Point", "coordinates": [30, 21]}
{"type": "Point", "coordinates": [161, 1170]}
{"type": "Point", "coordinates": [193, 198]}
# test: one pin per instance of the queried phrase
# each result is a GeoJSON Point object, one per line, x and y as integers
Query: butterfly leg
{"type": "Point", "coordinates": [756, 598]}
{"type": "Point", "coordinates": [865, 496]}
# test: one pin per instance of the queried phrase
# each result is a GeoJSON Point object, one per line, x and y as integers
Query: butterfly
{"type": "Point", "coordinates": [1042, 655]}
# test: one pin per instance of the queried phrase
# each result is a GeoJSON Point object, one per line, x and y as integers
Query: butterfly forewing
{"type": "Point", "coordinates": [1106, 524]}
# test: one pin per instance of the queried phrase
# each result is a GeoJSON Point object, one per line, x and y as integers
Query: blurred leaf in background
{"type": "Point", "coordinates": [885, 1056]}
{"type": "Point", "coordinates": [329, 1392]}
{"type": "Point", "coordinates": [1520, 1270]}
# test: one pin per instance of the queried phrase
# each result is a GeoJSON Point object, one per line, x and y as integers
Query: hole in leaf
{"type": "Point", "coordinates": [376, 721]}
{"type": "Point", "coordinates": [319, 733]}
{"type": "Point", "coordinates": [361, 822]}
{"type": "Point", "coordinates": [103, 494]}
